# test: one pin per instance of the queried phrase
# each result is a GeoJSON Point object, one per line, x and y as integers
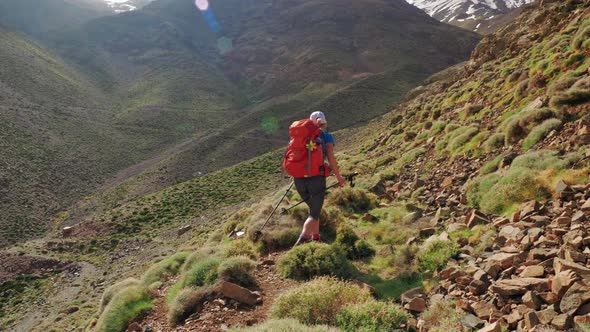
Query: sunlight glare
{"type": "Point", "coordinates": [203, 5]}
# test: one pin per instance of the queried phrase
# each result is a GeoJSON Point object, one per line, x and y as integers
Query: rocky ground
{"type": "Point", "coordinates": [228, 307]}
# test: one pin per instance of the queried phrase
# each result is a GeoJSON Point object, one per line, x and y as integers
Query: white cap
{"type": "Point", "coordinates": [318, 116]}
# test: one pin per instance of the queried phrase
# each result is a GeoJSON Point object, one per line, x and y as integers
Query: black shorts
{"type": "Point", "coordinates": [313, 191]}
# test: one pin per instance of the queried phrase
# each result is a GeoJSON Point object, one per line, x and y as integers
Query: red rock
{"type": "Point", "coordinates": [237, 293]}
{"type": "Point", "coordinates": [562, 282]}
{"type": "Point", "coordinates": [546, 316]}
{"type": "Point", "coordinates": [505, 260]}
{"type": "Point", "coordinates": [534, 271]}
{"type": "Point", "coordinates": [576, 296]}
{"type": "Point", "coordinates": [563, 265]}
{"type": "Point", "coordinates": [532, 300]}
{"type": "Point", "coordinates": [518, 286]}
{"type": "Point", "coordinates": [134, 327]}
{"type": "Point", "coordinates": [562, 322]}
{"type": "Point", "coordinates": [476, 217]}
{"type": "Point", "coordinates": [483, 310]}
{"type": "Point", "coordinates": [531, 320]}
{"type": "Point", "coordinates": [494, 327]}
{"type": "Point", "coordinates": [584, 319]}
{"type": "Point", "coordinates": [529, 208]}
{"type": "Point", "coordinates": [417, 304]}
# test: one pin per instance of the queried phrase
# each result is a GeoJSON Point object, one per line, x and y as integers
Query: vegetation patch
{"type": "Point", "coordinates": [351, 244]}
{"type": "Point", "coordinates": [372, 316]}
{"type": "Point", "coordinates": [110, 292]}
{"type": "Point", "coordinates": [164, 269]}
{"type": "Point", "coordinates": [500, 193]}
{"type": "Point", "coordinates": [353, 200]}
{"type": "Point", "coordinates": [187, 302]}
{"type": "Point", "coordinates": [579, 93]}
{"type": "Point", "coordinates": [315, 259]}
{"type": "Point", "coordinates": [238, 270]}
{"type": "Point", "coordinates": [124, 307]}
{"type": "Point", "coordinates": [494, 142]}
{"type": "Point", "coordinates": [288, 324]}
{"type": "Point", "coordinates": [318, 301]}
{"type": "Point", "coordinates": [435, 255]}
{"type": "Point", "coordinates": [540, 132]}
{"type": "Point", "coordinates": [442, 317]}
{"type": "Point", "coordinates": [201, 273]}
{"type": "Point", "coordinates": [241, 247]}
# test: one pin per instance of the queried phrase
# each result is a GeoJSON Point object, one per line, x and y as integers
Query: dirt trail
{"type": "Point", "coordinates": [221, 314]}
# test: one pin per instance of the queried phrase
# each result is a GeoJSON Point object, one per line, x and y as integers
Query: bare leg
{"type": "Point", "coordinates": [310, 227]}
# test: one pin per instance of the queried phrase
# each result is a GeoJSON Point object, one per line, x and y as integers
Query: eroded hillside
{"type": "Point", "coordinates": [483, 171]}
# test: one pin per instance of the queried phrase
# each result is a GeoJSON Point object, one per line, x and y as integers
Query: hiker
{"type": "Point", "coordinates": [312, 188]}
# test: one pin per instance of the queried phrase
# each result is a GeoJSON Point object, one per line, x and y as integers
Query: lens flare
{"type": "Point", "coordinates": [203, 5]}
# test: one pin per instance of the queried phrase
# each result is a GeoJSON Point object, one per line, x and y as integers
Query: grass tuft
{"type": "Point", "coordinates": [540, 132]}
{"type": "Point", "coordinates": [318, 301]}
{"type": "Point", "coordinates": [372, 316]}
{"type": "Point", "coordinates": [435, 255]}
{"type": "Point", "coordinates": [164, 269]}
{"type": "Point", "coordinates": [124, 307]}
{"type": "Point", "coordinates": [280, 325]}
{"type": "Point", "coordinates": [187, 302]}
{"type": "Point", "coordinates": [315, 259]}
{"type": "Point", "coordinates": [238, 270]}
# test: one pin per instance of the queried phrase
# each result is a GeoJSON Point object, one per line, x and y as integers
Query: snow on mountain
{"type": "Point", "coordinates": [121, 6]}
{"type": "Point", "coordinates": [470, 14]}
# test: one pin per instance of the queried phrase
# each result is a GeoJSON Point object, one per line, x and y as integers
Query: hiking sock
{"type": "Point", "coordinates": [303, 238]}
{"type": "Point", "coordinates": [315, 237]}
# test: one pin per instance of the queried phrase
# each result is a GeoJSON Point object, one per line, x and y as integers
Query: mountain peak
{"type": "Point", "coordinates": [477, 15]}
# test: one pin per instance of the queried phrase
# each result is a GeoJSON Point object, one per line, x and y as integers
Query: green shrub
{"type": "Point", "coordinates": [435, 255]}
{"type": "Point", "coordinates": [314, 259]}
{"type": "Point", "coordinates": [540, 132]}
{"type": "Point", "coordinates": [276, 240]}
{"type": "Point", "coordinates": [351, 244]}
{"type": "Point", "coordinates": [496, 141]}
{"type": "Point", "coordinates": [202, 273]}
{"type": "Point", "coordinates": [241, 247]}
{"type": "Point", "coordinates": [460, 140]}
{"type": "Point", "coordinates": [442, 317]}
{"type": "Point", "coordinates": [579, 93]}
{"type": "Point", "coordinates": [198, 256]}
{"type": "Point", "coordinates": [353, 200]}
{"type": "Point", "coordinates": [574, 59]}
{"type": "Point", "coordinates": [164, 269]}
{"type": "Point", "coordinates": [561, 85]}
{"type": "Point", "coordinates": [362, 249]}
{"type": "Point", "coordinates": [546, 159]}
{"type": "Point", "coordinates": [497, 194]}
{"type": "Point", "coordinates": [238, 270]}
{"type": "Point", "coordinates": [285, 325]}
{"type": "Point", "coordinates": [124, 307]}
{"type": "Point", "coordinates": [318, 301]}
{"type": "Point", "coordinates": [579, 42]}
{"type": "Point", "coordinates": [111, 291]}
{"type": "Point", "coordinates": [491, 166]}
{"type": "Point", "coordinates": [188, 301]}
{"type": "Point", "coordinates": [372, 316]}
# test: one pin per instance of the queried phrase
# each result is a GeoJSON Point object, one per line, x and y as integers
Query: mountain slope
{"type": "Point", "coordinates": [40, 17]}
{"type": "Point", "coordinates": [288, 58]}
{"type": "Point", "coordinates": [480, 16]}
{"type": "Point", "coordinates": [487, 135]}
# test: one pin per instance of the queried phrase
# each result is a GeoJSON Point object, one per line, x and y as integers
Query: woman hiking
{"type": "Point", "coordinates": [312, 189]}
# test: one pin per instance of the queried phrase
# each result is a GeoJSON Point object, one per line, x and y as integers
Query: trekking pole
{"type": "Point", "coordinates": [349, 177]}
{"type": "Point", "coordinates": [258, 233]}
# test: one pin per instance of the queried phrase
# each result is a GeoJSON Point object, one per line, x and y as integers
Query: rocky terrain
{"type": "Point", "coordinates": [469, 214]}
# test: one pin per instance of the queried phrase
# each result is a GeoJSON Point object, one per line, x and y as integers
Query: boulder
{"type": "Point", "coordinates": [574, 298]}
{"type": "Point", "coordinates": [494, 327]}
{"type": "Point", "coordinates": [562, 322]}
{"type": "Point", "coordinates": [475, 217]}
{"type": "Point", "coordinates": [416, 304]}
{"type": "Point", "coordinates": [505, 260]}
{"type": "Point", "coordinates": [546, 316]}
{"type": "Point", "coordinates": [531, 320]}
{"type": "Point", "coordinates": [560, 265]}
{"type": "Point", "coordinates": [532, 300]}
{"type": "Point", "coordinates": [510, 234]}
{"type": "Point", "coordinates": [483, 310]}
{"type": "Point", "coordinates": [562, 282]}
{"type": "Point", "coordinates": [408, 295]}
{"type": "Point", "coordinates": [518, 286]}
{"type": "Point", "coordinates": [529, 208]}
{"type": "Point", "coordinates": [534, 271]}
{"type": "Point", "coordinates": [471, 322]}
{"type": "Point", "coordinates": [238, 293]}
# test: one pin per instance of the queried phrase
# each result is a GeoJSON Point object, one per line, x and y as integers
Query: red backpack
{"type": "Point", "coordinates": [304, 157]}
